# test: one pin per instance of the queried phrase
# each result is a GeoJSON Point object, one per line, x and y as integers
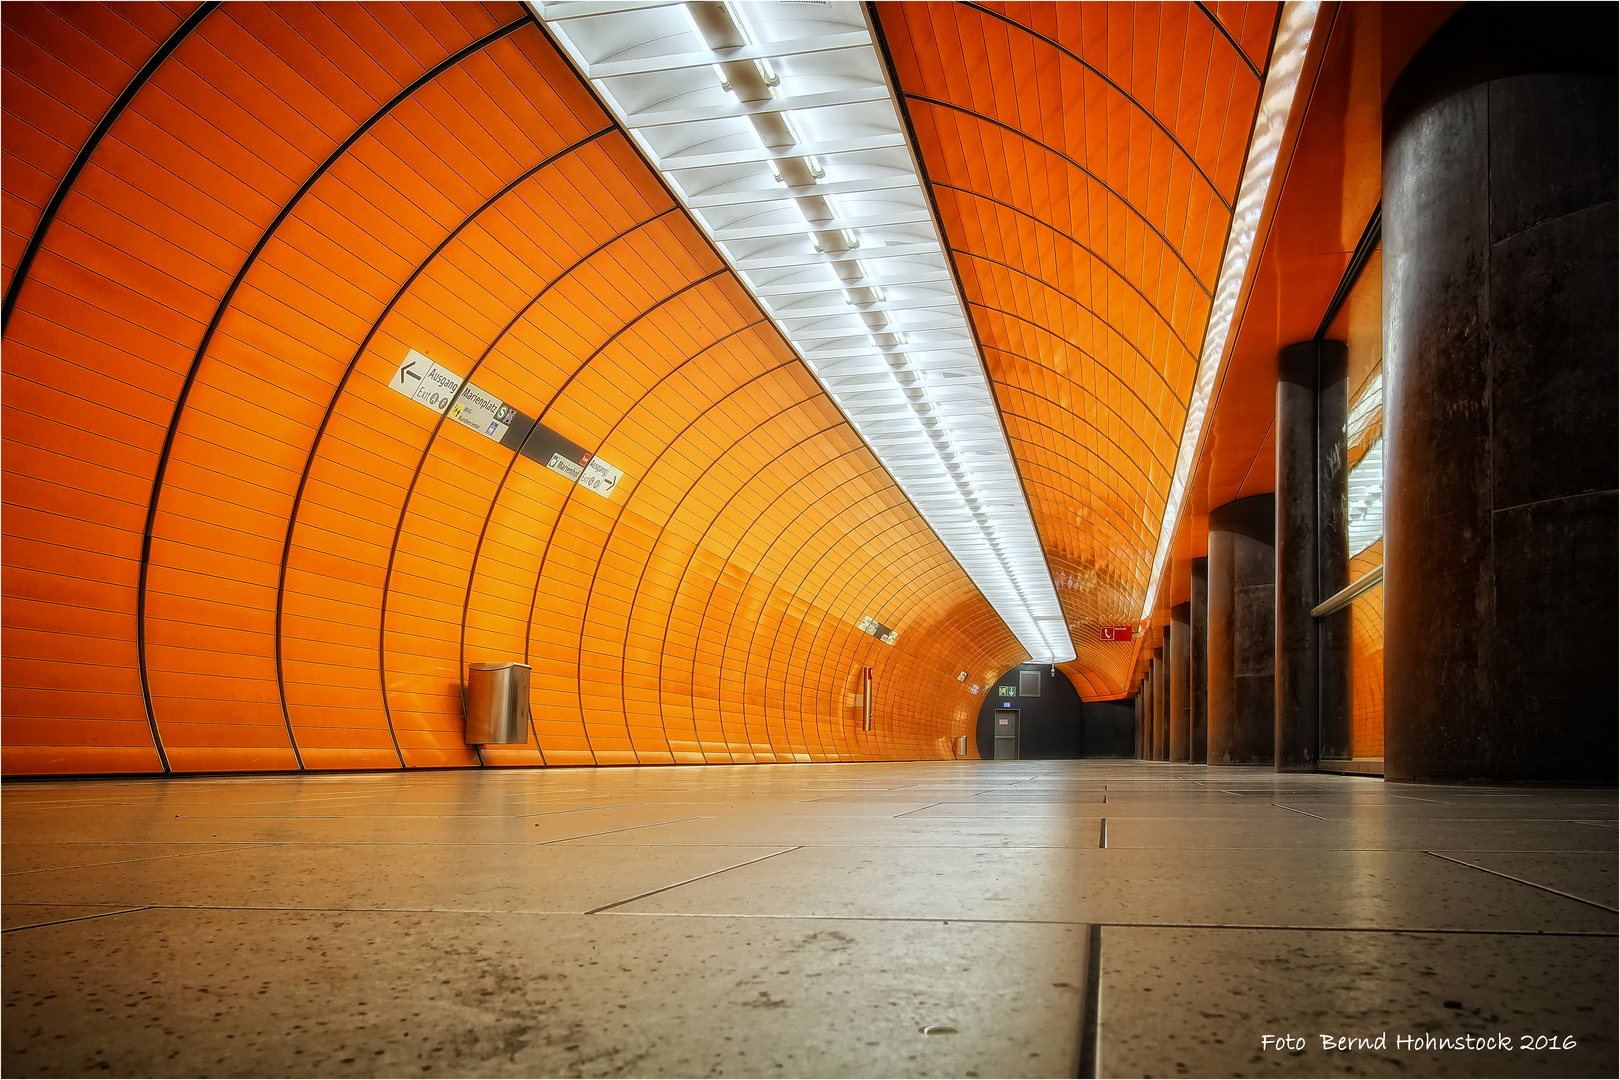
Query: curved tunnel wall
{"type": "Point", "coordinates": [1085, 188]}
{"type": "Point", "coordinates": [232, 545]}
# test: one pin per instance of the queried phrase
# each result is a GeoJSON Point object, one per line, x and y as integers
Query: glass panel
{"type": "Point", "coordinates": [1352, 639]}
{"type": "Point", "coordinates": [1364, 429]}
{"type": "Point", "coordinates": [1367, 673]}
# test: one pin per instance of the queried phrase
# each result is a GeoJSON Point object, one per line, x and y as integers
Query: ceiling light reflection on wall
{"type": "Point", "coordinates": [776, 127]}
{"type": "Point", "coordinates": [1276, 100]}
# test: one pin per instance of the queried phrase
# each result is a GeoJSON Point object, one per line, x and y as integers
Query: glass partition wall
{"type": "Point", "coordinates": [1352, 552]}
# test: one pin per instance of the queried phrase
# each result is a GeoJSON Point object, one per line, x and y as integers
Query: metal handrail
{"type": "Point", "coordinates": [1333, 603]}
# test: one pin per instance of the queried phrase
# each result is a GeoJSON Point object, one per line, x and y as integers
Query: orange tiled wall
{"type": "Point", "coordinates": [230, 545]}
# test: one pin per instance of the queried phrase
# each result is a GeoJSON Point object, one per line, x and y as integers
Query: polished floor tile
{"type": "Point", "coordinates": [1338, 833]}
{"type": "Point", "coordinates": [882, 919]}
{"type": "Point", "coordinates": [439, 877]}
{"type": "Point", "coordinates": [1202, 1002]}
{"type": "Point", "coordinates": [1364, 888]}
{"type": "Point", "coordinates": [429, 994]}
{"type": "Point", "coordinates": [32, 857]}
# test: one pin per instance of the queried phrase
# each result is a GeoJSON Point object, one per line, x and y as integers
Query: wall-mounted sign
{"type": "Point", "coordinates": [599, 476]}
{"type": "Point", "coordinates": [424, 381]}
{"type": "Point", "coordinates": [1006, 691]}
{"type": "Point", "coordinates": [484, 413]}
{"type": "Point", "coordinates": [441, 389]}
{"type": "Point", "coordinates": [961, 676]}
{"type": "Point", "coordinates": [871, 626]}
{"type": "Point", "coordinates": [1117, 633]}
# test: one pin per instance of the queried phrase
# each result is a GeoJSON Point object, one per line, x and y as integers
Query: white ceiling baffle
{"type": "Point", "coordinates": [775, 124]}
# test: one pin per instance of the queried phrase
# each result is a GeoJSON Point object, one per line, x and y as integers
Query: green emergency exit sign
{"type": "Point", "coordinates": [1006, 691]}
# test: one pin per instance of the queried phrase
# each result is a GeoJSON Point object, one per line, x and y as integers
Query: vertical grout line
{"type": "Point", "coordinates": [1090, 1011]}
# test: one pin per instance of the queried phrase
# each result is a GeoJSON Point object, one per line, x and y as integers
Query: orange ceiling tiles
{"type": "Point", "coordinates": [232, 543]}
{"type": "Point", "coordinates": [1085, 159]}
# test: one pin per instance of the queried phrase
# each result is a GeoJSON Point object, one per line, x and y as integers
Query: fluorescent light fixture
{"type": "Point", "coordinates": [1365, 484]}
{"type": "Point", "coordinates": [1276, 99]}
{"type": "Point", "coordinates": [776, 126]}
{"type": "Point", "coordinates": [1365, 499]}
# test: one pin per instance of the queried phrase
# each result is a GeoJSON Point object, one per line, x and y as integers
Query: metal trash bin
{"type": "Point", "coordinates": [961, 746]}
{"type": "Point", "coordinates": [497, 704]}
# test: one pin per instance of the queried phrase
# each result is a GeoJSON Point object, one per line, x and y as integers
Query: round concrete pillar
{"type": "Point", "coordinates": [1499, 336]}
{"type": "Point", "coordinates": [1242, 614]}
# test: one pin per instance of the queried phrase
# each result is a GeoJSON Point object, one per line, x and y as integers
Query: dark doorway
{"type": "Point", "coordinates": [1050, 720]}
{"type": "Point", "coordinates": [1006, 734]}
{"type": "Point", "coordinates": [1047, 710]}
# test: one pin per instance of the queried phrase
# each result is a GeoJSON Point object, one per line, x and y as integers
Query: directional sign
{"type": "Point", "coordinates": [878, 630]}
{"type": "Point", "coordinates": [484, 413]}
{"type": "Point", "coordinates": [1117, 633]}
{"type": "Point", "coordinates": [422, 380]}
{"type": "Point", "coordinates": [599, 476]}
{"type": "Point", "coordinates": [446, 392]}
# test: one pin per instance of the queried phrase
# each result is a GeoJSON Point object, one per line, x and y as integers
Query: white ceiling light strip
{"type": "Point", "coordinates": [775, 125]}
{"type": "Point", "coordinates": [1276, 99]}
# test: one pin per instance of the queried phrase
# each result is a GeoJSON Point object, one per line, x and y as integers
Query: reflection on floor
{"type": "Point", "coordinates": [927, 919]}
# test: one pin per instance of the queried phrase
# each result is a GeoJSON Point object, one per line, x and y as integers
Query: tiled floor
{"type": "Point", "coordinates": [927, 919]}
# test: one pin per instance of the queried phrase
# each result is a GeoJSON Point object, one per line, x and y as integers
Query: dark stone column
{"type": "Point", "coordinates": [1499, 327]}
{"type": "Point", "coordinates": [1310, 383]}
{"type": "Point", "coordinates": [1147, 710]}
{"type": "Point", "coordinates": [1295, 709]}
{"type": "Point", "coordinates": [1161, 700]}
{"type": "Point", "coordinates": [1332, 550]}
{"type": "Point", "coordinates": [1242, 614]}
{"type": "Point", "coordinates": [1198, 665]}
{"type": "Point", "coordinates": [1151, 685]}
{"type": "Point", "coordinates": [1221, 704]}
{"type": "Point", "coordinates": [1137, 703]}
{"type": "Point", "coordinates": [1146, 694]}
{"type": "Point", "coordinates": [1176, 644]}
{"type": "Point", "coordinates": [1159, 705]}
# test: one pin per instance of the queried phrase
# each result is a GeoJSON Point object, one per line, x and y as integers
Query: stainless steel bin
{"type": "Point", "coordinates": [497, 704]}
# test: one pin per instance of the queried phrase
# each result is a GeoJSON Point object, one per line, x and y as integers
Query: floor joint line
{"type": "Point", "coordinates": [688, 881]}
{"type": "Point", "coordinates": [610, 832]}
{"type": "Point", "coordinates": [1524, 881]}
{"type": "Point", "coordinates": [1091, 1010]}
{"type": "Point", "coordinates": [76, 918]}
